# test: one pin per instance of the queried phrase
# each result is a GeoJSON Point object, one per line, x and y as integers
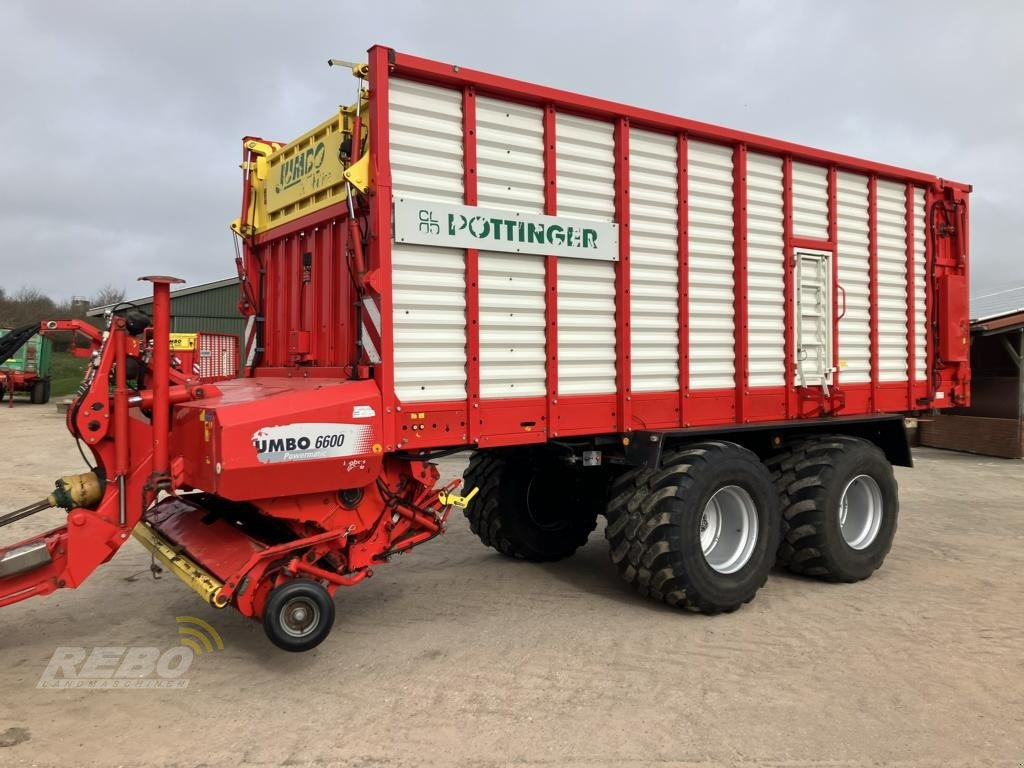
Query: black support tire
{"type": "Point", "coordinates": [40, 392]}
{"type": "Point", "coordinates": [664, 543]}
{"type": "Point", "coordinates": [530, 505]}
{"type": "Point", "coordinates": [840, 507]}
{"type": "Point", "coordinates": [298, 615]}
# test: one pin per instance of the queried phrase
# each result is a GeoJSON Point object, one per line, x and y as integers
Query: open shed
{"type": "Point", "coordinates": [994, 424]}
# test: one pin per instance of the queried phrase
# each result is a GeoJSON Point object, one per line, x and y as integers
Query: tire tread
{"type": "Point", "coordinates": [802, 472]}
{"type": "Point", "coordinates": [638, 530]}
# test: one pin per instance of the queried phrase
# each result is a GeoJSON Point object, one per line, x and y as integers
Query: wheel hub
{"type": "Point", "coordinates": [299, 617]}
{"type": "Point", "coordinates": [728, 529]}
{"type": "Point", "coordinates": [860, 512]}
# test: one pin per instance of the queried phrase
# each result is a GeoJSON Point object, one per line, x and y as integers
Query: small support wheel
{"type": "Point", "coordinates": [298, 615]}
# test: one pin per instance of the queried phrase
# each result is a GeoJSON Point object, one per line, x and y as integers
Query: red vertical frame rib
{"type": "Point", "coordinates": [623, 344]}
{"type": "Point", "coordinates": [873, 285]}
{"type": "Point", "coordinates": [789, 303]}
{"type": "Point", "coordinates": [551, 273]}
{"type": "Point", "coordinates": [833, 237]}
{"type": "Point", "coordinates": [683, 245]}
{"type": "Point", "coordinates": [740, 297]}
{"type": "Point", "coordinates": [929, 299]}
{"type": "Point", "coordinates": [472, 269]}
{"type": "Point", "coordinates": [380, 229]}
{"type": "Point", "coordinates": [911, 298]}
{"type": "Point", "coordinates": [963, 258]}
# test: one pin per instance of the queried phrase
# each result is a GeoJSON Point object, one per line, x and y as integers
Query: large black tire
{"type": "Point", "coordinates": [811, 476]}
{"type": "Point", "coordinates": [298, 615]}
{"type": "Point", "coordinates": [40, 392]}
{"type": "Point", "coordinates": [530, 505]}
{"type": "Point", "coordinates": [655, 521]}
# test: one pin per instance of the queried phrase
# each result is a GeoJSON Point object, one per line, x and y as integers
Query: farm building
{"type": "Point", "coordinates": [204, 307]}
{"type": "Point", "coordinates": [994, 424]}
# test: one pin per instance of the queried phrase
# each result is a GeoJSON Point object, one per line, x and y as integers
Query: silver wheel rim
{"type": "Point", "coordinates": [300, 616]}
{"type": "Point", "coordinates": [860, 511]}
{"type": "Point", "coordinates": [728, 529]}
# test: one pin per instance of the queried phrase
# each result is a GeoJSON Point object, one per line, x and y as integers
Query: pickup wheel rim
{"type": "Point", "coordinates": [300, 617]}
{"type": "Point", "coordinates": [860, 512]}
{"type": "Point", "coordinates": [728, 529]}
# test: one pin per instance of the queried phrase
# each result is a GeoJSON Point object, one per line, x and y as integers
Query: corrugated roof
{"type": "Point", "coordinates": [1001, 324]}
{"type": "Point", "coordinates": [998, 303]}
{"type": "Point", "coordinates": [97, 311]}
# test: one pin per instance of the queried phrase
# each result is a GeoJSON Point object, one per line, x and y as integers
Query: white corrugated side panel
{"type": "Point", "coordinates": [855, 277]}
{"type": "Point", "coordinates": [654, 261]}
{"type": "Point", "coordinates": [892, 282]}
{"type": "Point", "coordinates": [510, 175]}
{"type": "Point", "coordinates": [585, 184]}
{"type": "Point", "coordinates": [810, 201]}
{"type": "Point", "coordinates": [920, 308]}
{"type": "Point", "coordinates": [429, 293]}
{"type": "Point", "coordinates": [710, 209]}
{"type": "Point", "coordinates": [765, 272]}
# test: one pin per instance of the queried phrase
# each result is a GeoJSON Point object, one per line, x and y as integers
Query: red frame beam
{"type": "Point", "coordinates": [683, 234]}
{"type": "Point", "coordinates": [911, 298]}
{"type": "Point", "coordinates": [551, 272]}
{"type": "Point", "coordinates": [380, 226]}
{"type": "Point", "coordinates": [833, 236]}
{"type": "Point", "coordinates": [929, 299]}
{"type": "Point", "coordinates": [623, 339]}
{"type": "Point", "coordinates": [472, 269]}
{"type": "Point", "coordinates": [789, 290]}
{"type": "Point", "coordinates": [740, 303]}
{"type": "Point", "coordinates": [873, 287]}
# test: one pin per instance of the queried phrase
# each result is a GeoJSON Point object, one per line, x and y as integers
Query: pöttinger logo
{"type": "Point", "coordinates": [105, 667]}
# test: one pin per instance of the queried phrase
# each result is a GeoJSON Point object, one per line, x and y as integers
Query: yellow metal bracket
{"type": "Point", "coordinates": [358, 174]}
{"type": "Point", "coordinates": [362, 71]}
{"type": "Point", "coordinates": [262, 151]}
{"type": "Point", "coordinates": [191, 573]}
{"type": "Point", "coordinates": [451, 499]}
{"type": "Point", "coordinates": [261, 148]}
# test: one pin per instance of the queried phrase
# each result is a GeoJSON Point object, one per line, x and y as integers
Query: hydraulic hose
{"type": "Point", "coordinates": [14, 340]}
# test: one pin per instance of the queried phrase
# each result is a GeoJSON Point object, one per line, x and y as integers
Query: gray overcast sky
{"type": "Point", "coordinates": [121, 120]}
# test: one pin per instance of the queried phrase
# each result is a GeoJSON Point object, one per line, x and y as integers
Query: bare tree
{"type": "Point", "coordinates": [108, 294]}
{"type": "Point", "coordinates": [26, 305]}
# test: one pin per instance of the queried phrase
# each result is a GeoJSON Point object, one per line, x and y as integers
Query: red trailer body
{"type": "Point", "coordinates": [902, 322]}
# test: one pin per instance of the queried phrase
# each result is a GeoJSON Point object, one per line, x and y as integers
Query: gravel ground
{"type": "Point", "coordinates": [456, 656]}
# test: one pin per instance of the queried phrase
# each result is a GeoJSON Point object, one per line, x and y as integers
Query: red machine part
{"type": "Point", "coordinates": [336, 538]}
{"type": "Point", "coordinates": [954, 314]}
{"type": "Point", "coordinates": [214, 357]}
{"type": "Point", "coordinates": [123, 442]}
{"type": "Point", "coordinates": [269, 515]}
